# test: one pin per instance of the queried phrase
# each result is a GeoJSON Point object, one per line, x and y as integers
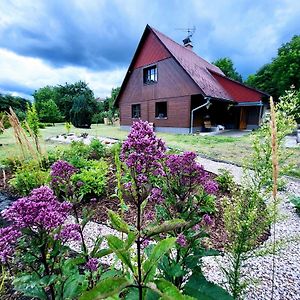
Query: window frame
{"type": "Point", "coordinates": [156, 110]}
{"type": "Point", "coordinates": [147, 77]}
{"type": "Point", "coordinates": [132, 110]}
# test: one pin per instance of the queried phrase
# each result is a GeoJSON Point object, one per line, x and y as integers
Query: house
{"type": "Point", "coordinates": [172, 87]}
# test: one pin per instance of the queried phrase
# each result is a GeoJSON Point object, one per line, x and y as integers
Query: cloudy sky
{"type": "Point", "coordinates": [49, 42]}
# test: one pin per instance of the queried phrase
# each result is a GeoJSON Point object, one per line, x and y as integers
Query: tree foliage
{"type": "Point", "coordinates": [227, 66]}
{"type": "Point", "coordinates": [82, 111]}
{"type": "Point", "coordinates": [64, 97]}
{"type": "Point", "coordinates": [282, 72]}
{"type": "Point", "coordinates": [49, 112]}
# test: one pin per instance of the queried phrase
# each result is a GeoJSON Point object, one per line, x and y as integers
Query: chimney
{"type": "Point", "coordinates": [188, 43]}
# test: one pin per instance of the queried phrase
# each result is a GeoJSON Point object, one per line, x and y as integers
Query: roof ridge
{"type": "Point", "coordinates": [190, 51]}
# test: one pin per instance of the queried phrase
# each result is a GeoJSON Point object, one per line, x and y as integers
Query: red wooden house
{"type": "Point", "coordinates": [171, 86]}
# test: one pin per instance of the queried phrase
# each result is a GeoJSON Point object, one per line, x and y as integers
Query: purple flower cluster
{"type": "Point", "coordinates": [92, 264]}
{"type": "Point", "coordinates": [181, 240]}
{"type": "Point", "coordinates": [8, 238]}
{"type": "Point", "coordinates": [142, 152]}
{"type": "Point", "coordinates": [40, 209]}
{"type": "Point", "coordinates": [70, 232]}
{"type": "Point", "coordinates": [61, 172]}
{"type": "Point", "coordinates": [207, 220]}
{"type": "Point", "coordinates": [156, 196]}
{"type": "Point", "coordinates": [186, 172]}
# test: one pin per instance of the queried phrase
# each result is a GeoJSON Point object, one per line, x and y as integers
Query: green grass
{"type": "Point", "coordinates": [231, 149]}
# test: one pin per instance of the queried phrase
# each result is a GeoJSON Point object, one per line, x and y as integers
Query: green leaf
{"type": "Point", "coordinates": [120, 249]}
{"type": "Point", "coordinates": [30, 286]}
{"type": "Point", "coordinates": [168, 291]}
{"type": "Point", "coordinates": [157, 253]}
{"type": "Point", "coordinates": [199, 288]}
{"type": "Point", "coordinates": [164, 227]}
{"type": "Point", "coordinates": [73, 286]}
{"type": "Point", "coordinates": [117, 222]}
{"type": "Point", "coordinates": [106, 288]}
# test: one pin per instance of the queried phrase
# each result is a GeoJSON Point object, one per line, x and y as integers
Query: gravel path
{"type": "Point", "coordinates": [259, 268]}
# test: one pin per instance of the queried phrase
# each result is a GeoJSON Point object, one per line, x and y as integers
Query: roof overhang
{"type": "Point", "coordinates": [258, 103]}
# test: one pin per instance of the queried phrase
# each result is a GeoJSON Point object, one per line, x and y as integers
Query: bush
{"type": "Point", "coordinates": [97, 149]}
{"type": "Point", "coordinates": [4, 119]}
{"type": "Point", "coordinates": [225, 180]}
{"type": "Point", "coordinates": [92, 180]}
{"type": "Point", "coordinates": [28, 177]}
{"type": "Point", "coordinates": [296, 201]}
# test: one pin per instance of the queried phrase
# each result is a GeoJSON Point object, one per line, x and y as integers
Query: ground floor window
{"type": "Point", "coordinates": [161, 110]}
{"type": "Point", "coordinates": [136, 111]}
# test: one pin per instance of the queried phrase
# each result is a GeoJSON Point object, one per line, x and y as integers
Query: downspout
{"type": "Point", "coordinates": [195, 109]}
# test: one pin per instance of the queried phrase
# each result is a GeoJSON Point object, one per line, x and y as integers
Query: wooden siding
{"type": "Point", "coordinates": [151, 52]}
{"type": "Point", "coordinates": [173, 86]}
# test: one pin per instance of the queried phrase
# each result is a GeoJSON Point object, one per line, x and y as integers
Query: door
{"type": "Point", "coordinates": [243, 118]}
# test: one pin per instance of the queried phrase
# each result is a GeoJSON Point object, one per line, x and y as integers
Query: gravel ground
{"type": "Point", "coordinates": [258, 268]}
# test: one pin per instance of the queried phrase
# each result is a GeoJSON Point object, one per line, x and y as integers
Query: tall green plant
{"type": "Point", "coordinates": [246, 214]}
{"type": "Point", "coordinates": [32, 124]}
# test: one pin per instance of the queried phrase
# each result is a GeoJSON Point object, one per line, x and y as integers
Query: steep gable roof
{"type": "Point", "coordinates": [210, 79]}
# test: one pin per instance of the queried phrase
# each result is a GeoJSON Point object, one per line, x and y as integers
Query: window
{"type": "Point", "coordinates": [136, 111]}
{"type": "Point", "coordinates": [150, 75]}
{"type": "Point", "coordinates": [161, 110]}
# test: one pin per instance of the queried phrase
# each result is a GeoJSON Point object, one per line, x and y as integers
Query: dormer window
{"type": "Point", "coordinates": [150, 75]}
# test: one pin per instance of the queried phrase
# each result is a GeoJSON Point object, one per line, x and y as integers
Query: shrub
{"type": "Point", "coordinates": [97, 149]}
{"type": "Point", "coordinates": [296, 201]}
{"type": "Point", "coordinates": [92, 180]}
{"type": "Point", "coordinates": [29, 176]}
{"type": "Point", "coordinates": [225, 180]}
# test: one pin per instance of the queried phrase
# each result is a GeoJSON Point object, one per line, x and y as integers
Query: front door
{"type": "Point", "coordinates": [243, 118]}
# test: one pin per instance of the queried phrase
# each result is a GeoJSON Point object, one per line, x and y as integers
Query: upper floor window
{"type": "Point", "coordinates": [150, 75]}
{"type": "Point", "coordinates": [136, 111]}
{"type": "Point", "coordinates": [161, 110]}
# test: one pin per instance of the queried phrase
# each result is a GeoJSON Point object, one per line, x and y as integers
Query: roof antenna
{"type": "Point", "coordinates": [187, 42]}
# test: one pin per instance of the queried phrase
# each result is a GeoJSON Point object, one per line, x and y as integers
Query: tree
{"type": "Point", "coordinates": [49, 112]}
{"type": "Point", "coordinates": [82, 111]}
{"type": "Point", "coordinates": [283, 71]}
{"type": "Point", "coordinates": [16, 103]}
{"type": "Point", "coordinates": [226, 65]}
{"type": "Point", "coordinates": [43, 95]}
{"type": "Point", "coordinates": [68, 93]}
{"type": "Point", "coordinates": [33, 123]}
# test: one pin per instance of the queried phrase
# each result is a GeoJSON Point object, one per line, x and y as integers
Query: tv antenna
{"type": "Point", "coordinates": [189, 30]}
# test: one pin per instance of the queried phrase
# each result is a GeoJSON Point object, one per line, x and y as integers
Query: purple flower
{"type": "Point", "coordinates": [181, 240]}
{"type": "Point", "coordinates": [8, 239]}
{"type": "Point", "coordinates": [40, 209]}
{"type": "Point", "coordinates": [211, 187]}
{"type": "Point", "coordinates": [61, 172]}
{"type": "Point", "coordinates": [207, 220]}
{"type": "Point", "coordinates": [127, 186]}
{"type": "Point", "coordinates": [145, 243]}
{"type": "Point", "coordinates": [187, 175]}
{"type": "Point", "coordinates": [79, 184]}
{"type": "Point", "coordinates": [92, 264]}
{"type": "Point", "coordinates": [150, 215]}
{"type": "Point", "coordinates": [70, 232]}
{"type": "Point", "coordinates": [196, 227]}
{"type": "Point", "coordinates": [94, 200]}
{"type": "Point", "coordinates": [142, 152]}
{"type": "Point", "coordinates": [156, 196]}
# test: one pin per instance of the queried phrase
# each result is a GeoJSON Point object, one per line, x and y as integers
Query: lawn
{"type": "Point", "coordinates": [231, 149]}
